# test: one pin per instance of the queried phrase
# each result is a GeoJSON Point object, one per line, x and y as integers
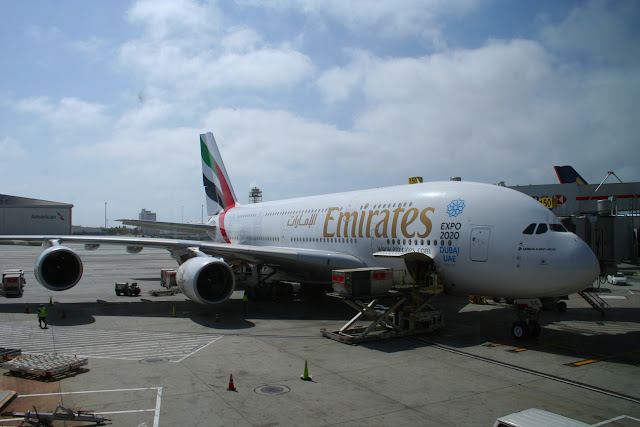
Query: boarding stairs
{"type": "Point", "coordinates": [590, 295]}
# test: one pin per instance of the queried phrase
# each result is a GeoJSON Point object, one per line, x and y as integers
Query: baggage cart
{"type": "Point", "coordinates": [45, 365]}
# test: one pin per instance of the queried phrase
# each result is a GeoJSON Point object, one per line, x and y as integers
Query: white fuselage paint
{"type": "Point", "coordinates": [473, 232]}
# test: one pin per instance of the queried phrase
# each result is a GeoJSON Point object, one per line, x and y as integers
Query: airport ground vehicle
{"type": "Point", "coordinates": [617, 279]}
{"type": "Point", "coordinates": [12, 283]}
{"type": "Point", "coordinates": [123, 288]}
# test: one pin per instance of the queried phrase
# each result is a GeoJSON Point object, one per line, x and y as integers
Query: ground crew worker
{"type": "Point", "coordinates": [245, 301]}
{"type": "Point", "coordinates": [42, 316]}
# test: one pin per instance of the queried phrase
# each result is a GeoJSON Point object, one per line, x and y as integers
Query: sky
{"type": "Point", "coordinates": [103, 102]}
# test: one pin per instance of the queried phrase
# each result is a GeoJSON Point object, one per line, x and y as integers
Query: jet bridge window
{"type": "Point", "coordinates": [542, 228]}
{"type": "Point", "coordinates": [530, 228]}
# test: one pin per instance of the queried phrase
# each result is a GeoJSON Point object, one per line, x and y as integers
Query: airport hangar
{"type": "Point", "coordinates": [21, 215]}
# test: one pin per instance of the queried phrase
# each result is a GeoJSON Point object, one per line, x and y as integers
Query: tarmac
{"type": "Point", "coordinates": [165, 361]}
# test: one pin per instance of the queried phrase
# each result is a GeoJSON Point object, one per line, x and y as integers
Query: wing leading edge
{"type": "Point", "coordinates": [285, 259]}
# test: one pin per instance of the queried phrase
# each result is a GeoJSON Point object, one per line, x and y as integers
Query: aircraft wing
{"type": "Point", "coordinates": [286, 259]}
{"type": "Point", "coordinates": [170, 226]}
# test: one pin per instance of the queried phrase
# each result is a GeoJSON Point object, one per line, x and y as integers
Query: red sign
{"type": "Point", "coordinates": [561, 199]}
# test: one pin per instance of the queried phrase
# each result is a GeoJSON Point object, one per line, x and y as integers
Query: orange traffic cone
{"type": "Point", "coordinates": [63, 315]}
{"type": "Point", "coordinates": [231, 386]}
{"type": "Point", "coordinates": [26, 309]}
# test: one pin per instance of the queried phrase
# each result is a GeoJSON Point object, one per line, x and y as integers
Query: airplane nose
{"type": "Point", "coordinates": [586, 266]}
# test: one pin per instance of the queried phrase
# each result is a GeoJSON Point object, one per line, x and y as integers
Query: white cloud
{"type": "Point", "coordinates": [10, 150]}
{"type": "Point", "coordinates": [43, 33]}
{"type": "Point", "coordinates": [240, 39]}
{"type": "Point", "coordinates": [603, 31]}
{"type": "Point", "coordinates": [385, 18]}
{"type": "Point", "coordinates": [287, 155]}
{"type": "Point", "coordinates": [184, 51]}
{"type": "Point", "coordinates": [338, 83]}
{"type": "Point", "coordinates": [506, 110]}
{"type": "Point", "coordinates": [67, 113]}
{"type": "Point", "coordinates": [167, 19]}
{"type": "Point", "coordinates": [92, 46]}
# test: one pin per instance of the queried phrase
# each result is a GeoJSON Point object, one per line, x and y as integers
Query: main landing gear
{"type": "Point", "coordinates": [264, 289]}
{"type": "Point", "coordinates": [527, 325]}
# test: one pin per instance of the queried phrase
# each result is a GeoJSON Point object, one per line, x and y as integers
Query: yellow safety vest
{"type": "Point", "coordinates": [42, 312]}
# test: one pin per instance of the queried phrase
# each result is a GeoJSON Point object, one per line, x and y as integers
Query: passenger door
{"type": "Point", "coordinates": [480, 244]}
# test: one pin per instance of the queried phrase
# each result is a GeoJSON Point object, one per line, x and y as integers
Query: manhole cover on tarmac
{"type": "Point", "coordinates": [272, 389]}
{"type": "Point", "coordinates": [154, 360]}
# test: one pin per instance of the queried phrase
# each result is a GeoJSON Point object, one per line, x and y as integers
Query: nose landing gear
{"type": "Point", "coordinates": [527, 325]}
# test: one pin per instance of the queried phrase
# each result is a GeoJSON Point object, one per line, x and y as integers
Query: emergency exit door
{"type": "Point", "coordinates": [479, 243]}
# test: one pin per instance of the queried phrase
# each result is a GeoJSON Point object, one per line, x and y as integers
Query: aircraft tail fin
{"type": "Point", "coordinates": [217, 186]}
{"type": "Point", "coordinates": [568, 175]}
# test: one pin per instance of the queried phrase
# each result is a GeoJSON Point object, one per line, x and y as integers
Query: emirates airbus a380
{"type": "Point", "coordinates": [482, 239]}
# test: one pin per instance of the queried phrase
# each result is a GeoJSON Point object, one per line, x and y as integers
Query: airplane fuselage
{"type": "Point", "coordinates": [479, 236]}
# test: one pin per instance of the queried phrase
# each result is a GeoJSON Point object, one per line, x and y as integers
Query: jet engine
{"type": "Point", "coordinates": [206, 280]}
{"type": "Point", "coordinates": [58, 268]}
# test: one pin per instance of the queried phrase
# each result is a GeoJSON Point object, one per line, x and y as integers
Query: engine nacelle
{"type": "Point", "coordinates": [58, 268]}
{"type": "Point", "coordinates": [206, 280]}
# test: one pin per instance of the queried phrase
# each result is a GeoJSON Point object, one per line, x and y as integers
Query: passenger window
{"type": "Point", "coordinates": [558, 228]}
{"type": "Point", "coordinates": [529, 229]}
{"type": "Point", "coordinates": [542, 228]}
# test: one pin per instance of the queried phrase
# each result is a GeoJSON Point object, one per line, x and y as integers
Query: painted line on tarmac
{"type": "Point", "coordinates": [519, 350]}
{"type": "Point", "coordinates": [532, 372]}
{"type": "Point", "coordinates": [105, 344]}
{"type": "Point", "coordinates": [156, 410]}
{"type": "Point", "coordinates": [589, 361]}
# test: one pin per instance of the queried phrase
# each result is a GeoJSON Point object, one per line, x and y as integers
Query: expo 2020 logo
{"type": "Point", "coordinates": [456, 207]}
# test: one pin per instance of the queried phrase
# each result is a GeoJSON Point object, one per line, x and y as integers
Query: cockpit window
{"type": "Point", "coordinates": [542, 228]}
{"type": "Point", "coordinates": [529, 229]}
{"type": "Point", "coordinates": [558, 227]}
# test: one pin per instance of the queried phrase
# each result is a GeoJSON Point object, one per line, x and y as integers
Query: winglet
{"type": "Point", "coordinates": [568, 175]}
{"type": "Point", "coordinates": [219, 192]}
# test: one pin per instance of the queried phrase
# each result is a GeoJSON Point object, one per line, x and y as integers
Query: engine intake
{"type": "Point", "coordinates": [206, 280]}
{"type": "Point", "coordinates": [58, 268]}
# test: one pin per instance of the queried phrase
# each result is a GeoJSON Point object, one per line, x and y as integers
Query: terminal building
{"type": "Point", "coordinates": [21, 215]}
{"type": "Point", "coordinates": [146, 215]}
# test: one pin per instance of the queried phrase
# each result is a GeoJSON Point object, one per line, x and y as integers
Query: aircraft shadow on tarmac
{"type": "Point", "coordinates": [562, 333]}
{"type": "Point", "coordinates": [225, 316]}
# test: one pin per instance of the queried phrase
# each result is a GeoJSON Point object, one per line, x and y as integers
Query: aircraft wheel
{"type": "Point", "coordinates": [519, 330]}
{"type": "Point", "coordinates": [562, 306]}
{"type": "Point", "coordinates": [534, 329]}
